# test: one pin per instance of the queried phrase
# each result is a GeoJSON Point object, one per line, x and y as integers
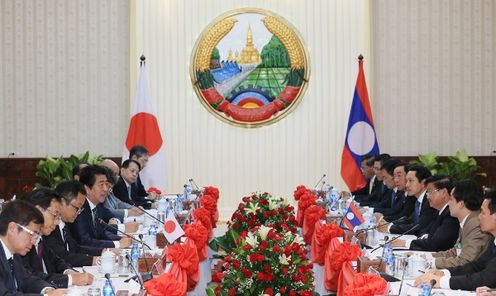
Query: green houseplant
{"type": "Point", "coordinates": [458, 167]}
{"type": "Point", "coordinates": [52, 171]}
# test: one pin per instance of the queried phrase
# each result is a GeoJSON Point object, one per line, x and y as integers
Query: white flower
{"type": "Point", "coordinates": [252, 208]}
{"type": "Point", "coordinates": [263, 231]}
{"type": "Point", "coordinates": [273, 204]}
{"type": "Point", "coordinates": [283, 259]}
{"type": "Point", "coordinates": [299, 240]}
{"type": "Point", "coordinates": [252, 240]}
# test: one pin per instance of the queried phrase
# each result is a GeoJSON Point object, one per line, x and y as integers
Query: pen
{"type": "Point", "coordinates": [421, 271]}
{"type": "Point", "coordinates": [73, 269]}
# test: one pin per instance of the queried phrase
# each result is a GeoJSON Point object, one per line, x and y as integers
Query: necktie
{"type": "Point", "coordinates": [129, 194]}
{"type": "Point", "coordinates": [417, 212]}
{"type": "Point", "coordinates": [64, 232]}
{"type": "Point", "coordinates": [95, 217]}
{"type": "Point", "coordinates": [14, 282]}
{"type": "Point", "coordinates": [394, 198]}
{"type": "Point", "coordinates": [40, 252]}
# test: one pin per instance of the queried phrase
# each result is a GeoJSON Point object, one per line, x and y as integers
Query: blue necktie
{"type": "Point", "coordinates": [417, 212]}
{"type": "Point", "coordinates": [12, 272]}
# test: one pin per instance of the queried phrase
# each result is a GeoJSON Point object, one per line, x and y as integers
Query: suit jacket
{"type": "Point", "coordinates": [116, 206]}
{"type": "Point", "coordinates": [77, 255]}
{"type": "Point", "coordinates": [120, 191]}
{"type": "Point", "coordinates": [480, 272]}
{"type": "Point", "coordinates": [397, 205]}
{"type": "Point", "coordinates": [27, 283]}
{"type": "Point", "coordinates": [427, 216]}
{"type": "Point", "coordinates": [389, 201]}
{"type": "Point", "coordinates": [443, 234]}
{"type": "Point", "coordinates": [473, 243]}
{"type": "Point", "coordinates": [374, 195]}
{"type": "Point", "coordinates": [54, 264]}
{"type": "Point", "coordinates": [98, 235]}
{"type": "Point", "coordinates": [139, 188]}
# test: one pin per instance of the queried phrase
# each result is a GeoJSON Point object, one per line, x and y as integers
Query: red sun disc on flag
{"type": "Point", "coordinates": [169, 226]}
{"type": "Point", "coordinates": [144, 130]}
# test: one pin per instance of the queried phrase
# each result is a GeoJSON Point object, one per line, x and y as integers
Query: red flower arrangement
{"type": "Point", "coordinates": [263, 209]}
{"type": "Point", "coordinates": [312, 214]}
{"type": "Point", "coordinates": [209, 203]}
{"type": "Point", "coordinates": [305, 201]}
{"type": "Point", "coordinates": [300, 191]}
{"type": "Point", "coordinates": [199, 235]}
{"type": "Point", "coordinates": [366, 285]}
{"type": "Point", "coordinates": [343, 253]}
{"type": "Point", "coordinates": [204, 217]}
{"type": "Point", "coordinates": [267, 262]}
{"type": "Point", "coordinates": [154, 190]}
{"type": "Point", "coordinates": [212, 191]}
{"type": "Point", "coordinates": [165, 284]}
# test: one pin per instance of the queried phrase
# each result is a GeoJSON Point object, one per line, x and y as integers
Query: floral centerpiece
{"type": "Point", "coordinates": [266, 262]}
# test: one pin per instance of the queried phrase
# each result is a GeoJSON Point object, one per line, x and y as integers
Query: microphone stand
{"type": "Point", "coordinates": [323, 176]}
{"type": "Point", "coordinates": [402, 277]}
{"type": "Point", "coordinates": [122, 232]}
{"type": "Point", "coordinates": [397, 237]}
{"type": "Point", "coordinates": [380, 225]}
{"type": "Point", "coordinates": [137, 274]}
{"type": "Point", "coordinates": [149, 215]}
{"type": "Point", "coordinates": [107, 276]}
{"type": "Point", "coordinates": [146, 276]}
{"type": "Point", "coordinates": [193, 184]}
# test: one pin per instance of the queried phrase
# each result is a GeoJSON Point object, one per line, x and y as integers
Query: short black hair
{"type": "Point", "coordinates": [421, 172]}
{"type": "Point", "coordinates": [20, 212]}
{"type": "Point", "coordinates": [42, 197]}
{"type": "Point", "coordinates": [382, 157]}
{"type": "Point", "coordinates": [76, 170]}
{"type": "Point", "coordinates": [138, 151]}
{"type": "Point", "coordinates": [89, 173]}
{"type": "Point", "coordinates": [389, 165]}
{"type": "Point", "coordinates": [69, 190]}
{"type": "Point", "coordinates": [369, 159]}
{"type": "Point", "coordinates": [440, 181]}
{"type": "Point", "coordinates": [127, 162]}
{"type": "Point", "coordinates": [470, 192]}
{"type": "Point", "coordinates": [491, 197]}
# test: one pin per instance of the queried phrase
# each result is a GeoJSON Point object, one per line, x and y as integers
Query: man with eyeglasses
{"type": "Point", "coordinates": [20, 226]}
{"type": "Point", "coordinates": [443, 232]}
{"type": "Point", "coordinates": [60, 240]}
{"type": "Point", "coordinates": [42, 260]}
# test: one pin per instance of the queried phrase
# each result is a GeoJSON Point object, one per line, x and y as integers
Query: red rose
{"type": "Point", "coordinates": [284, 270]}
{"type": "Point", "coordinates": [292, 293]}
{"type": "Point", "coordinates": [283, 290]}
{"type": "Point", "coordinates": [267, 268]}
{"type": "Point", "coordinates": [269, 291]}
{"type": "Point", "coordinates": [236, 264]}
{"type": "Point", "coordinates": [246, 247]}
{"type": "Point", "coordinates": [276, 249]}
{"type": "Point", "coordinates": [232, 292]}
{"type": "Point", "coordinates": [263, 245]}
{"type": "Point", "coordinates": [247, 273]}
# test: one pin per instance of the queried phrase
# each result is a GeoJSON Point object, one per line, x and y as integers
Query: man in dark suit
{"type": "Point", "coordinates": [478, 273]}
{"type": "Point", "coordinates": [20, 225]}
{"type": "Point", "coordinates": [60, 241]}
{"type": "Point", "coordinates": [43, 261]}
{"type": "Point", "coordinates": [390, 199]}
{"type": "Point", "coordinates": [423, 214]}
{"type": "Point", "coordinates": [367, 168]}
{"type": "Point", "coordinates": [141, 155]}
{"type": "Point", "coordinates": [444, 230]}
{"type": "Point", "coordinates": [378, 187]}
{"type": "Point", "coordinates": [124, 190]}
{"type": "Point", "coordinates": [87, 229]}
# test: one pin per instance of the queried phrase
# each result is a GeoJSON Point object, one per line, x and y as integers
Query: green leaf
{"type": "Point", "coordinates": [210, 291]}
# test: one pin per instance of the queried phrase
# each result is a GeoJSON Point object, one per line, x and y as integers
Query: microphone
{"type": "Point", "coordinates": [149, 215]}
{"type": "Point", "coordinates": [107, 276]}
{"type": "Point", "coordinates": [323, 176]}
{"type": "Point", "coordinates": [431, 285]}
{"type": "Point", "coordinates": [397, 237]}
{"type": "Point", "coordinates": [193, 184]}
{"type": "Point", "coordinates": [145, 275]}
{"type": "Point", "coordinates": [380, 225]}
{"type": "Point", "coordinates": [137, 274]}
{"type": "Point", "coordinates": [105, 224]}
{"type": "Point", "coordinates": [403, 276]}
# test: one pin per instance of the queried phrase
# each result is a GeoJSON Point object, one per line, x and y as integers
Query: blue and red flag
{"type": "Point", "coordinates": [360, 135]}
{"type": "Point", "coordinates": [353, 218]}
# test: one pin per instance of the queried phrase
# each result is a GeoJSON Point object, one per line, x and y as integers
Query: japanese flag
{"type": "Point", "coordinates": [172, 229]}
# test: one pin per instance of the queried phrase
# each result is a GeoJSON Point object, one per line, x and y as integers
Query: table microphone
{"type": "Point", "coordinates": [145, 275]}
{"type": "Point", "coordinates": [107, 276]}
{"type": "Point", "coordinates": [105, 224]}
{"type": "Point", "coordinates": [323, 176]}
{"type": "Point", "coordinates": [432, 284]}
{"type": "Point", "coordinates": [149, 215]}
{"type": "Point", "coordinates": [193, 184]}
{"type": "Point", "coordinates": [397, 237]}
{"type": "Point", "coordinates": [380, 225]}
{"type": "Point", "coordinates": [137, 274]}
{"type": "Point", "coordinates": [403, 277]}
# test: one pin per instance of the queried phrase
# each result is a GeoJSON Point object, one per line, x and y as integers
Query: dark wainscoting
{"type": "Point", "coordinates": [19, 174]}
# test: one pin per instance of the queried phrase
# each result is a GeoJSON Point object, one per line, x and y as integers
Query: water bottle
{"type": "Point", "coordinates": [107, 289]}
{"type": "Point", "coordinates": [179, 203]}
{"type": "Point", "coordinates": [152, 236]}
{"type": "Point", "coordinates": [390, 263]}
{"type": "Point", "coordinates": [135, 254]}
{"type": "Point", "coordinates": [424, 290]}
{"type": "Point", "coordinates": [187, 192]}
{"type": "Point", "coordinates": [387, 250]}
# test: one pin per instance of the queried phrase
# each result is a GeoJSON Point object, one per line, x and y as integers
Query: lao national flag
{"type": "Point", "coordinates": [360, 135]}
{"type": "Point", "coordinates": [353, 218]}
{"type": "Point", "coordinates": [144, 131]}
{"type": "Point", "coordinates": [172, 229]}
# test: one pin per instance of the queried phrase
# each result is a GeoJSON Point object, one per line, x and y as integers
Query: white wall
{"type": "Point", "coordinates": [276, 158]}
{"type": "Point", "coordinates": [435, 75]}
{"type": "Point", "coordinates": [64, 77]}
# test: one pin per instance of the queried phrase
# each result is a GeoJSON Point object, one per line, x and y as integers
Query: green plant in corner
{"type": "Point", "coordinates": [52, 171]}
{"type": "Point", "coordinates": [458, 167]}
